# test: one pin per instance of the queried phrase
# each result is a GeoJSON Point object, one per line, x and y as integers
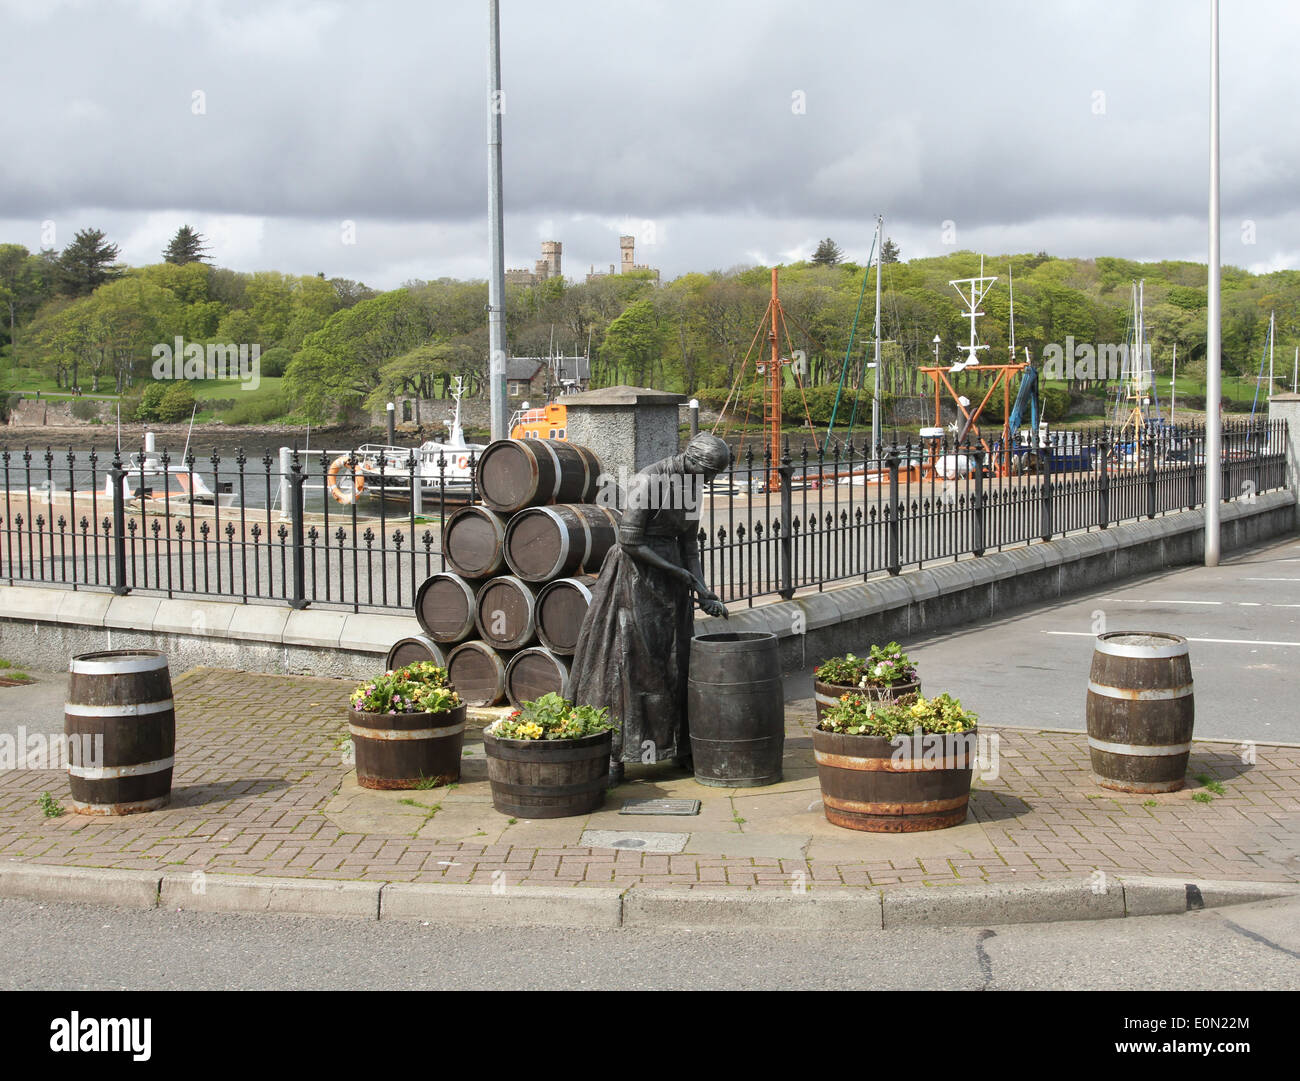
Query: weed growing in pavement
{"type": "Point", "coordinates": [1202, 797]}
{"type": "Point", "coordinates": [1208, 782]}
{"type": "Point", "coordinates": [1150, 803]}
{"type": "Point", "coordinates": [50, 807]}
{"type": "Point", "coordinates": [425, 783]}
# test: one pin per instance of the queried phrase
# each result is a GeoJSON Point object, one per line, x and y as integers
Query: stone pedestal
{"type": "Point", "coordinates": [627, 427]}
{"type": "Point", "coordinates": [1287, 407]}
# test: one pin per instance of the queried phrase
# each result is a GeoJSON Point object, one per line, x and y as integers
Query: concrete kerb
{"type": "Point", "coordinates": [866, 909]}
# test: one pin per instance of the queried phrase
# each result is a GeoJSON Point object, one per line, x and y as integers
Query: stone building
{"type": "Point", "coordinates": [628, 263]}
{"type": "Point", "coordinates": [548, 266]}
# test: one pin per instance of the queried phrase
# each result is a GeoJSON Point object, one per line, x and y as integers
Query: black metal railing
{"type": "Point", "coordinates": [840, 512]}
{"type": "Point", "coordinates": [270, 528]}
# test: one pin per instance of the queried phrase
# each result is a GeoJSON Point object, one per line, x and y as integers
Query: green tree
{"type": "Point", "coordinates": [176, 404]}
{"type": "Point", "coordinates": [889, 251]}
{"type": "Point", "coordinates": [827, 253]}
{"type": "Point", "coordinates": [187, 246]}
{"type": "Point", "coordinates": [632, 345]}
{"type": "Point", "coordinates": [88, 262]}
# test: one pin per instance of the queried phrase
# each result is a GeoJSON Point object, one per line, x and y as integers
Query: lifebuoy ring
{"type": "Point", "coordinates": [462, 462]}
{"type": "Point", "coordinates": [358, 481]}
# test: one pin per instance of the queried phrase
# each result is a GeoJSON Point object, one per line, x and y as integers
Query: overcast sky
{"type": "Point", "coordinates": [719, 133]}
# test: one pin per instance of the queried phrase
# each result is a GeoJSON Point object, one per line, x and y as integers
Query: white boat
{"type": "Point", "coordinates": [148, 478]}
{"type": "Point", "coordinates": [444, 468]}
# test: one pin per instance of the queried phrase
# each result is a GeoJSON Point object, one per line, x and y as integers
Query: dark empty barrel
{"type": "Point", "coordinates": [419, 647]}
{"type": "Point", "coordinates": [561, 607]}
{"type": "Point", "coordinates": [120, 724]}
{"type": "Point", "coordinates": [506, 612]}
{"type": "Point", "coordinates": [473, 542]}
{"type": "Point", "coordinates": [736, 709]}
{"type": "Point", "coordinates": [444, 606]}
{"type": "Point", "coordinates": [515, 473]}
{"type": "Point", "coordinates": [1140, 711]}
{"type": "Point", "coordinates": [534, 672]}
{"type": "Point", "coordinates": [543, 543]}
{"type": "Point", "coordinates": [478, 672]}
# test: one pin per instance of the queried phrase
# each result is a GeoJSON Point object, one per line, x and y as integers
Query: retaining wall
{"type": "Point", "coordinates": [42, 627]}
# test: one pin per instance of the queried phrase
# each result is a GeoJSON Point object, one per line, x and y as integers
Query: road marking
{"type": "Point", "coordinates": [1239, 604]}
{"type": "Point", "coordinates": [1135, 600]}
{"type": "Point", "coordinates": [1271, 579]}
{"type": "Point", "coordinates": [1212, 641]}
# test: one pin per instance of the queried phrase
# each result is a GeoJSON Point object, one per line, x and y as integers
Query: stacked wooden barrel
{"type": "Point", "coordinates": [504, 616]}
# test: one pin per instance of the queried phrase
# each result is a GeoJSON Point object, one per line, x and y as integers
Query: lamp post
{"type": "Point", "coordinates": [1213, 330]}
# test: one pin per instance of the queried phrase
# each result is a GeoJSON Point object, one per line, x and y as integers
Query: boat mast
{"type": "Point", "coordinates": [1011, 319]}
{"type": "Point", "coordinates": [496, 245]}
{"type": "Point", "coordinates": [1271, 317]}
{"type": "Point", "coordinates": [773, 396]}
{"type": "Point", "coordinates": [875, 396]}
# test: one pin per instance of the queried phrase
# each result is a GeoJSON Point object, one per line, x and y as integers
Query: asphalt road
{"type": "Point", "coordinates": [76, 947]}
{"type": "Point", "coordinates": [1242, 620]}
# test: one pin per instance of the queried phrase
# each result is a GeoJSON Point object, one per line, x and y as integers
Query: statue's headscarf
{"type": "Point", "coordinates": [707, 453]}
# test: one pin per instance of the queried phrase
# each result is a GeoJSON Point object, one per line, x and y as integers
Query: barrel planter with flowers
{"type": "Point", "coordinates": [885, 674]}
{"type": "Point", "coordinates": [407, 728]}
{"type": "Point", "coordinates": [900, 766]}
{"type": "Point", "coordinates": [549, 759]}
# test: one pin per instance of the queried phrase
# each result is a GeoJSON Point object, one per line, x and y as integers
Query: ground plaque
{"type": "Point", "coordinates": [660, 807]}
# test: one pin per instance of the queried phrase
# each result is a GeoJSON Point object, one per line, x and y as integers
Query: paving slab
{"type": "Point", "coordinates": [261, 792]}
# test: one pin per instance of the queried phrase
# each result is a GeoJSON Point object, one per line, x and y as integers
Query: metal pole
{"type": "Point", "coordinates": [1173, 386]}
{"type": "Point", "coordinates": [1213, 335]}
{"type": "Point", "coordinates": [694, 406]}
{"type": "Point", "coordinates": [392, 423]}
{"type": "Point", "coordinates": [296, 479]}
{"type": "Point", "coordinates": [116, 474]}
{"type": "Point", "coordinates": [496, 246]}
{"type": "Point", "coordinates": [875, 395]}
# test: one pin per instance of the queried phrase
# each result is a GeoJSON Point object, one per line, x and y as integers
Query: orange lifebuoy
{"type": "Point", "coordinates": [358, 481]}
{"type": "Point", "coordinates": [462, 462]}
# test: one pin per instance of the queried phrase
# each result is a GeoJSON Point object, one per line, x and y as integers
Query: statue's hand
{"type": "Point", "coordinates": [714, 607]}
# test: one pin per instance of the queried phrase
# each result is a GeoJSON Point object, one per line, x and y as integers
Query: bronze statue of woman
{"type": "Point", "coordinates": [635, 641]}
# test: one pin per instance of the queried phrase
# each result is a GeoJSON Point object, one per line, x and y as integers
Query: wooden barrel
{"type": "Point", "coordinates": [478, 672]}
{"type": "Point", "coordinates": [876, 785]}
{"type": "Point", "coordinates": [534, 672]}
{"type": "Point", "coordinates": [1140, 711]}
{"type": "Point", "coordinates": [419, 647]}
{"type": "Point", "coordinates": [515, 473]}
{"type": "Point", "coordinates": [826, 695]}
{"type": "Point", "coordinates": [561, 607]}
{"type": "Point", "coordinates": [473, 542]}
{"type": "Point", "coordinates": [505, 612]}
{"type": "Point", "coordinates": [735, 708]}
{"type": "Point", "coordinates": [407, 750]}
{"type": "Point", "coordinates": [120, 723]}
{"type": "Point", "coordinates": [548, 778]}
{"type": "Point", "coordinates": [444, 606]}
{"type": "Point", "coordinates": [543, 543]}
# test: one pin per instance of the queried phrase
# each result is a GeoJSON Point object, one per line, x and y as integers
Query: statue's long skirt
{"type": "Point", "coordinates": [633, 651]}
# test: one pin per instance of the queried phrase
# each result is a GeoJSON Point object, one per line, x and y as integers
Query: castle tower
{"type": "Point", "coordinates": [627, 244]}
{"type": "Point", "coordinates": [552, 251]}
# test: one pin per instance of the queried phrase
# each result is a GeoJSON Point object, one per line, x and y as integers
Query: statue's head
{"type": "Point", "coordinates": [707, 455]}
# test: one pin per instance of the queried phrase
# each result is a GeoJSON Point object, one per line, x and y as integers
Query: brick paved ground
{"type": "Point", "coordinates": [260, 788]}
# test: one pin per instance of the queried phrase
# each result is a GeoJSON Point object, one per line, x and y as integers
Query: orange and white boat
{"type": "Point", "coordinates": [549, 422]}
